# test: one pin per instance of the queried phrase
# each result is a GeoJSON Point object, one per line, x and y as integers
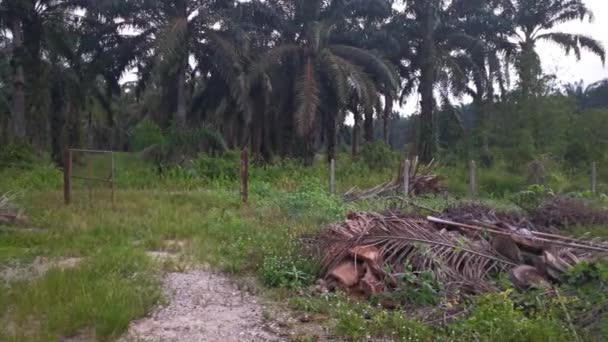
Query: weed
{"type": "Point", "coordinates": [106, 292]}
{"type": "Point", "coordinates": [286, 271]}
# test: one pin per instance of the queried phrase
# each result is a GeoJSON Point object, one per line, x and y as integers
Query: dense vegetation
{"type": "Point", "coordinates": [283, 76]}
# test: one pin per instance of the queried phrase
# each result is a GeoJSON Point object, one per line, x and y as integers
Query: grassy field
{"type": "Point", "coordinates": [195, 214]}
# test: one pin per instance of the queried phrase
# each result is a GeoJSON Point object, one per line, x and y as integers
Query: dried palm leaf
{"type": "Point", "coordinates": [401, 241]}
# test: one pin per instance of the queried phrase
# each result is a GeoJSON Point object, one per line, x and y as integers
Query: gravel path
{"type": "Point", "coordinates": [203, 306]}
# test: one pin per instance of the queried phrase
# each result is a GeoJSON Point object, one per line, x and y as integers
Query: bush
{"type": "Point", "coordinates": [18, 155]}
{"type": "Point", "coordinates": [214, 168]}
{"type": "Point", "coordinates": [499, 182]}
{"type": "Point", "coordinates": [311, 199]}
{"type": "Point", "coordinates": [378, 155]}
{"type": "Point", "coordinates": [146, 134]}
{"type": "Point", "coordinates": [532, 198]}
{"type": "Point", "coordinates": [41, 177]}
{"type": "Point", "coordinates": [495, 317]}
{"type": "Point", "coordinates": [191, 142]}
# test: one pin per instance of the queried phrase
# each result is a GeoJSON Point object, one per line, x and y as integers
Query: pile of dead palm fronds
{"type": "Point", "coordinates": [478, 213]}
{"type": "Point", "coordinates": [9, 212]}
{"type": "Point", "coordinates": [421, 181]}
{"type": "Point", "coordinates": [370, 252]}
{"type": "Point", "coordinates": [561, 211]}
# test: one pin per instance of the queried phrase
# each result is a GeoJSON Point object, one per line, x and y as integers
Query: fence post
{"type": "Point", "coordinates": [113, 175]}
{"type": "Point", "coordinates": [245, 174]}
{"type": "Point", "coordinates": [406, 178]}
{"type": "Point", "coordinates": [472, 180]}
{"type": "Point", "coordinates": [594, 177]}
{"type": "Point", "coordinates": [67, 176]}
{"type": "Point", "coordinates": [332, 176]}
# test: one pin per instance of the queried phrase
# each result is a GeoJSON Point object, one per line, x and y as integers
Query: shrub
{"type": "Point", "coordinates": [378, 155]}
{"type": "Point", "coordinates": [495, 317]}
{"type": "Point", "coordinates": [531, 198]}
{"type": "Point", "coordinates": [42, 177]}
{"type": "Point", "coordinates": [286, 271]}
{"type": "Point", "coordinates": [498, 183]}
{"type": "Point", "coordinates": [146, 134]}
{"type": "Point", "coordinates": [418, 288]}
{"type": "Point", "coordinates": [311, 199]}
{"type": "Point", "coordinates": [214, 168]}
{"type": "Point", "coordinates": [18, 155]}
{"type": "Point", "coordinates": [192, 141]}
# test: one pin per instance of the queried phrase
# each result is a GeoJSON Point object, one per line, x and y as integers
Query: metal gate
{"type": "Point", "coordinates": [91, 169]}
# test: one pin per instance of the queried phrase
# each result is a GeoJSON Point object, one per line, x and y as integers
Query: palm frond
{"type": "Point", "coordinates": [336, 74]}
{"type": "Point", "coordinates": [271, 58]}
{"type": "Point", "coordinates": [414, 243]}
{"type": "Point", "coordinates": [358, 83]}
{"type": "Point", "coordinates": [575, 42]}
{"type": "Point", "coordinates": [230, 66]}
{"type": "Point", "coordinates": [307, 99]}
{"type": "Point", "coordinates": [373, 64]}
{"type": "Point", "coordinates": [563, 13]}
{"type": "Point", "coordinates": [170, 41]}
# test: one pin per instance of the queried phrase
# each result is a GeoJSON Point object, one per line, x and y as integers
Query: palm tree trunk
{"type": "Point", "coordinates": [332, 137]}
{"type": "Point", "coordinates": [356, 133]}
{"type": "Point", "coordinates": [369, 126]}
{"type": "Point", "coordinates": [388, 111]}
{"type": "Point", "coordinates": [181, 113]}
{"type": "Point", "coordinates": [57, 122]}
{"type": "Point", "coordinates": [427, 141]}
{"type": "Point", "coordinates": [18, 103]}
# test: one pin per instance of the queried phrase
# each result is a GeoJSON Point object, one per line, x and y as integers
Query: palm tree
{"type": "Point", "coordinates": [176, 29]}
{"type": "Point", "coordinates": [595, 95]}
{"type": "Point", "coordinates": [362, 25]}
{"type": "Point", "coordinates": [430, 52]}
{"type": "Point", "coordinates": [535, 21]}
{"type": "Point", "coordinates": [327, 74]}
{"type": "Point", "coordinates": [487, 65]}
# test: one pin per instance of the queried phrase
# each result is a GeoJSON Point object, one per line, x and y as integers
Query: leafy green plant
{"type": "Point", "coordinates": [418, 288]}
{"type": "Point", "coordinates": [146, 134]}
{"type": "Point", "coordinates": [495, 317]}
{"type": "Point", "coordinates": [18, 155]}
{"type": "Point", "coordinates": [311, 199]}
{"type": "Point", "coordinates": [497, 182]}
{"type": "Point", "coordinates": [225, 168]}
{"type": "Point", "coordinates": [532, 197]}
{"type": "Point", "coordinates": [378, 155]}
{"type": "Point", "coordinates": [283, 271]}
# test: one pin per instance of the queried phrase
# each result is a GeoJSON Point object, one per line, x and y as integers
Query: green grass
{"type": "Point", "coordinates": [110, 288]}
{"type": "Point", "coordinates": [195, 211]}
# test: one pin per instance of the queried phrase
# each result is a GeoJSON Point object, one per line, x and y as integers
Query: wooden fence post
{"type": "Point", "coordinates": [472, 180]}
{"type": "Point", "coordinates": [406, 178]}
{"type": "Point", "coordinates": [67, 176]}
{"type": "Point", "coordinates": [244, 174]}
{"type": "Point", "coordinates": [332, 176]}
{"type": "Point", "coordinates": [594, 177]}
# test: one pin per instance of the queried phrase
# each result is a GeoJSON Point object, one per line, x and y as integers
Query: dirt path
{"type": "Point", "coordinates": [203, 306]}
